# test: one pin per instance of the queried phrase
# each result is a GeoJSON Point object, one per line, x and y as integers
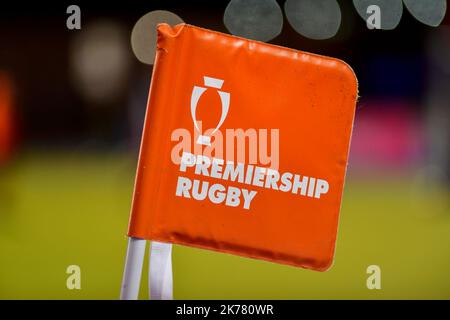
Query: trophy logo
{"type": "Point", "coordinates": [195, 97]}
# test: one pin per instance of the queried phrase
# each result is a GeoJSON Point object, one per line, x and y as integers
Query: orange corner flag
{"type": "Point", "coordinates": [244, 148]}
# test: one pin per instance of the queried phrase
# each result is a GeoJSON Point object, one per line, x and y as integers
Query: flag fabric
{"type": "Point", "coordinates": [244, 148]}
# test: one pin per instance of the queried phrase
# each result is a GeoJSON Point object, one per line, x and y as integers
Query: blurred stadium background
{"type": "Point", "coordinates": [72, 104]}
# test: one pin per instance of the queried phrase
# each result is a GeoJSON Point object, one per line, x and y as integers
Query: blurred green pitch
{"type": "Point", "coordinates": [63, 209]}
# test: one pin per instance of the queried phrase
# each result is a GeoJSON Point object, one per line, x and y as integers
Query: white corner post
{"type": "Point", "coordinates": [160, 273]}
{"type": "Point", "coordinates": [133, 269]}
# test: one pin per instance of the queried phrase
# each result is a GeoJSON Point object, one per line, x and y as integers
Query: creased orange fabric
{"type": "Point", "coordinates": [309, 98]}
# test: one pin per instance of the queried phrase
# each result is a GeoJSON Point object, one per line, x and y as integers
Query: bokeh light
{"type": "Point", "coordinates": [429, 12]}
{"type": "Point", "coordinates": [390, 11]}
{"type": "Point", "coordinates": [99, 60]}
{"type": "Point", "coordinates": [315, 19]}
{"type": "Point", "coordinates": [143, 36]}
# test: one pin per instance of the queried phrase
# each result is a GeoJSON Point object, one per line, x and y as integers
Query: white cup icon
{"type": "Point", "coordinates": [195, 97]}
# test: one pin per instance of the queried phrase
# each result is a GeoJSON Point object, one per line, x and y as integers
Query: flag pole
{"type": "Point", "coordinates": [160, 271]}
{"type": "Point", "coordinates": [133, 269]}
